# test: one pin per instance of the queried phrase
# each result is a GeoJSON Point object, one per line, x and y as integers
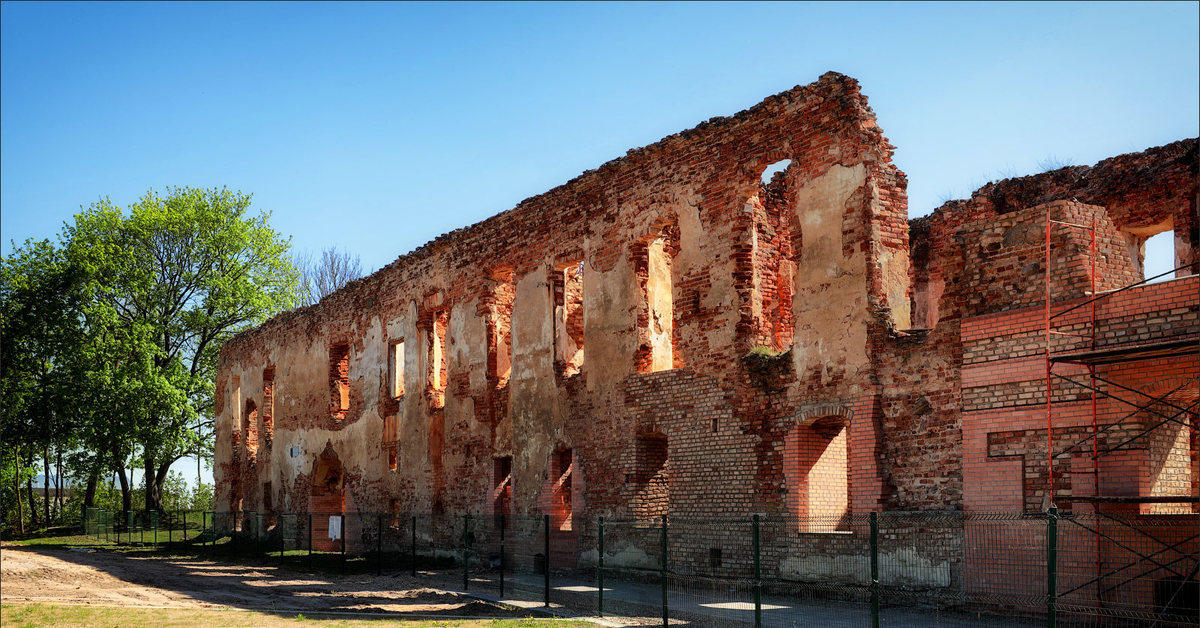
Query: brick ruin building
{"type": "Point", "coordinates": [667, 334]}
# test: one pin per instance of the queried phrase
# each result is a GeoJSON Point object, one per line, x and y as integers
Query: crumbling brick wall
{"type": "Point", "coordinates": [668, 334]}
{"type": "Point", "coordinates": [485, 356]}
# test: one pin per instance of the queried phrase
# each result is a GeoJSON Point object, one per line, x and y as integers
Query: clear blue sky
{"type": "Point", "coordinates": [377, 127]}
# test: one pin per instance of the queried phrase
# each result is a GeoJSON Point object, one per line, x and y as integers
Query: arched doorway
{"type": "Point", "coordinates": [327, 501]}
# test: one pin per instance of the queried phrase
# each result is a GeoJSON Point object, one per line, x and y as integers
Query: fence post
{"type": "Point", "coordinates": [600, 568]}
{"type": "Point", "coordinates": [310, 540]}
{"type": "Point", "coordinates": [546, 550]}
{"type": "Point", "coordinates": [1052, 567]}
{"type": "Point", "coordinates": [465, 556]}
{"type": "Point", "coordinates": [156, 531]}
{"type": "Point", "coordinates": [170, 532]}
{"type": "Point", "coordinates": [663, 572]}
{"type": "Point", "coordinates": [282, 539]}
{"type": "Point", "coordinates": [501, 554]}
{"type": "Point", "coordinates": [874, 569]}
{"type": "Point", "coordinates": [757, 573]}
{"type": "Point", "coordinates": [379, 547]}
{"type": "Point", "coordinates": [343, 535]}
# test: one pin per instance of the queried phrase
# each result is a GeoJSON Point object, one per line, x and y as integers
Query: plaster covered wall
{"type": "Point", "coordinates": [721, 317]}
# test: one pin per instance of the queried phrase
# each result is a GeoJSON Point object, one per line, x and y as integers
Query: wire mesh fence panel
{"type": "Point", "coordinates": [816, 567]}
{"type": "Point", "coordinates": [1128, 569]}
{"type": "Point", "coordinates": [919, 564]}
{"type": "Point", "coordinates": [635, 568]}
{"type": "Point", "coordinates": [711, 572]}
{"type": "Point", "coordinates": [893, 568]}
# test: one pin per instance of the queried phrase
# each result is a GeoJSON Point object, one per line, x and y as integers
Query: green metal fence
{"type": "Point", "coordinates": [871, 569]}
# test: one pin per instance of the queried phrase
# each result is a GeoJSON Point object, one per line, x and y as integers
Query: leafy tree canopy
{"type": "Point", "coordinates": [131, 310]}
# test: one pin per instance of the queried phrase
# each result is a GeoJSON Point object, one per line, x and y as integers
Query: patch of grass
{"type": "Point", "coordinates": [61, 541]}
{"type": "Point", "coordinates": [765, 352]}
{"type": "Point", "coordinates": [37, 615]}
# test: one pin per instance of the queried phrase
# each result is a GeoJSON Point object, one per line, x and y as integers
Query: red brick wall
{"type": "Point", "coordinates": [935, 419]}
{"type": "Point", "coordinates": [1004, 394]}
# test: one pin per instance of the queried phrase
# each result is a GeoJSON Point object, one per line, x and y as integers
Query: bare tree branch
{"type": "Point", "coordinates": [321, 277]}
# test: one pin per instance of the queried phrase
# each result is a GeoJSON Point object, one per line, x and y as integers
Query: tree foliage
{"type": "Point", "coordinates": [111, 337]}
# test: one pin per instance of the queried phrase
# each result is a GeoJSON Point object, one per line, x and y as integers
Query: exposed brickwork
{"type": "Point", "coordinates": [795, 348]}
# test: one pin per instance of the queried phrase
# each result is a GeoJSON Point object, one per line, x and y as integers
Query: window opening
{"type": "Point", "coordinates": [396, 368]}
{"type": "Point", "coordinates": [656, 327]}
{"type": "Point", "coordinates": [235, 396]}
{"type": "Point", "coordinates": [561, 468]}
{"type": "Point", "coordinates": [820, 477]}
{"type": "Point", "coordinates": [502, 486]}
{"type": "Point", "coordinates": [567, 284]}
{"type": "Point", "coordinates": [339, 380]}
{"type": "Point", "coordinates": [436, 386]}
{"type": "Point", "coordinates": [1159, 255]}
{"type": "Point", "coordinates": [250, 429]}
{"type": "Point", "coordinates": [497, 312]}
{"type": "Point", "coordinates": [771, 250]}
{"type": "Point", "coordinates": [268, 410]}
{"type": "Point", "coordinates": [651, 499]}
{"type": "Point", "coordinates": [768, 174]}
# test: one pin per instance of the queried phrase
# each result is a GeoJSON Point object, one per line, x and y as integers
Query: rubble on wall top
{"type": "Point", "coordinates": [829, 85]}
{"type": "Point", "coordinates": [1110, 182]}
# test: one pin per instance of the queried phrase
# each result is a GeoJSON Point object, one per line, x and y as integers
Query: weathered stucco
{"type": "Point", "coordinates": [668, 334]}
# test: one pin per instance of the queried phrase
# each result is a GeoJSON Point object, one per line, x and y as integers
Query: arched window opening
{"type": "Point", "coordinates": [768, 173]}
{"type": "Point", "coordinates": [817, 473]}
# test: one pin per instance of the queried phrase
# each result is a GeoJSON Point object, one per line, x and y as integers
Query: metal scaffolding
{"type": "Point", "coordinates": [1163, 409]}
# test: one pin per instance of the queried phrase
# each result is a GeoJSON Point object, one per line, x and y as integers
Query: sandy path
{"type": "Point", "coordinates": [115, 579]}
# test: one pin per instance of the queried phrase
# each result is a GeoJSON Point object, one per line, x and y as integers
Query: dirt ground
{"type": "Point", "coordinates": [57, 576]}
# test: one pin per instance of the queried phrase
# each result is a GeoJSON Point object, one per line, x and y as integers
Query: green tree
{"type": "Point", "coordinates": [42, 297]}
{"type": "Point", "coordinates": [174, 278]}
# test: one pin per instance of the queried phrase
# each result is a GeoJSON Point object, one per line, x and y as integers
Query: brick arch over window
{"type": "Point", "coordinates": [817, 468]}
